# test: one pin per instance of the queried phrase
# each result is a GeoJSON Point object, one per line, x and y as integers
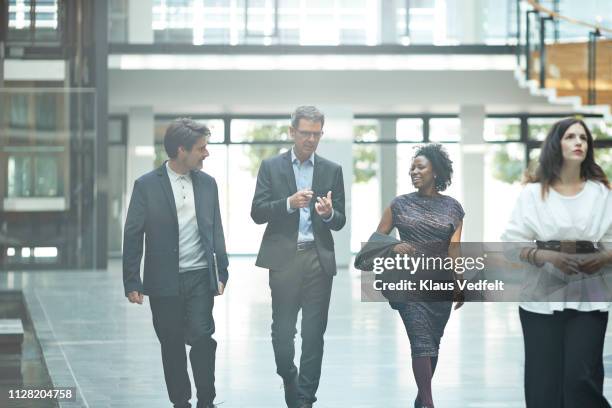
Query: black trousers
{"type": "Point", "coordinates": [563, 359]}
{"type": "Point", "coordinates": [307, 287]}
{"type": "Point", "coordinates": [187, 319]}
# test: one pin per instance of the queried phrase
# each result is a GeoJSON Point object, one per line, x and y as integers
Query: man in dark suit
{"type": "Point", "coordinates": [176, 209]}
{"type": "Point", "coordinates": [300, 195]}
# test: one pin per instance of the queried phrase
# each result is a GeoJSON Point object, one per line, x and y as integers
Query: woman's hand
{"type": "Point", "coordinates": [404, 248]}
{"type": "Point", "coordinates": [592, 263]}
{"type": "Point", "coordinates": [566, 263]}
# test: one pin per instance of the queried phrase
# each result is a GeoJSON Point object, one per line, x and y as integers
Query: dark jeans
{"type": "Point", "coordinates": [187, 319]}
{"type": "Point", "coordinates": [563, 359]}
{"type": "Point", "coordinates": [307, 287]}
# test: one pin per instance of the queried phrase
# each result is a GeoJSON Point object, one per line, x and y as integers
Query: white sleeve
{"type": "Point", "coordinates": [606, 240]}
{"type": "Point", "coordinates": [518, 229]}
{"type": "Point", "coordinates": [518, 234]}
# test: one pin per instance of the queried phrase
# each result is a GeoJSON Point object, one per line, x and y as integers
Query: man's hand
{"type": "Point", "coordinates": [221, 288]}
{"type": "Point", "coordinates": [300, 199]}
{"type": "Point", "coordinates": [135, 297]}
{"type": "Point", "coordinates": [323, 206]}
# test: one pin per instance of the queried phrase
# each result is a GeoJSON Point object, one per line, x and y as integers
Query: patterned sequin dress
{"type": "Point", "coordinates": [427, 223]}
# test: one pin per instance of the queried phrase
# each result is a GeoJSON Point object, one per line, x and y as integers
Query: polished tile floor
{"type": "Point", "coordinates": [94, 340]}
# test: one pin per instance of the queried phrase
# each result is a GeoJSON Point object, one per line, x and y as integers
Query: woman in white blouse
{"type": "Point", "coordinates": [566, 208]}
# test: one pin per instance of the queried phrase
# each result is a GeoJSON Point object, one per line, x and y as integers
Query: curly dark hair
{"type": "Point", "coordinates": [441, 164]}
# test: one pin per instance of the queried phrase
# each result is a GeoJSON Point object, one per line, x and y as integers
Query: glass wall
{"type": "Point", "coordinates": [600, 130]}
{"type": "Point", "coordinates": [316, 22]}
{"type": "Point", "coordinates": [31, 21]}
{"type": "Point", "coordinates": [372, 149]}
{"type": "Point", "coordinates": [443, 22]}
{"type": "Point", "coordinates": [265, 22]}
{"type": "Point", "coordinates": [47, 163]}
{"type": "Point", "coordinates": [366, 183]}
{"type": "Point", "coordinates": [117, 21]}
{"type": "Point", "coordinates": [235, 160]}
{"type": "Point", "coordinates": [510, 152]}
{"type": "Point", "coordinates": [234, 164]}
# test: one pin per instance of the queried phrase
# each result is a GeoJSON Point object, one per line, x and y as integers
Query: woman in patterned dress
{"type": "Point", "coordinates": [427, 222]}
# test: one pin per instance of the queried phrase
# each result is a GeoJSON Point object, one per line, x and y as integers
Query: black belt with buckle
{"type": "Point", "coordinates": [303, 246]}
{"type": "Point", "coordinates": [568, 247]}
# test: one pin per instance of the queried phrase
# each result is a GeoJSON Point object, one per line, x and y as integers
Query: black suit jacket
{"type": "Point", "coordinates": [152, 215]}
{"type": "Point", "coordinates": [275, 183]}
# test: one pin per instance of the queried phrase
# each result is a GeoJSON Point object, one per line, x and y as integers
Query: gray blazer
{"type": "Point", "coordinates": [275, 183]}
{"type": "Point", "coordinates": [152, 216]}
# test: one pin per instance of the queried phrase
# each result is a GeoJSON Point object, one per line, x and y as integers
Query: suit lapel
{"type": "Point", "coordinates": [197, 199]}
{"type": "Point", "coordinates": [203, 206]}
{"type": "Point", "coordinates": [165, 182]}
{"type": "Point", "coordinates": [290, 175]}
{"type": "Point", "coordinates": [317, 177]}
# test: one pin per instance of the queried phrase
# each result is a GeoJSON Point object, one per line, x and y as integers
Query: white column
{"type": "Point", "coordinates": [387, 162]}
{"type": "Point", "coordinates": [472, 158]}
{"type": "Point", "coordinates": [470, 17]}
{"type": "Point", "coordinates": [2, 64]}
{"type": "Point", "coordinates": [387, 25]}
{"type": "Point", "coordinates": [140, 145]}
{"type": "Point", "coordinates": [337, 145]}
{"type": "Point", "coordinates": [140, 22]}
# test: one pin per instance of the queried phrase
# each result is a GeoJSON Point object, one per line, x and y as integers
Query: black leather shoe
{"type": "Point", "coordinates": [209, 405]}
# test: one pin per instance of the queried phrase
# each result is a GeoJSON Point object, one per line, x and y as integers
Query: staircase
{"type": "Point", "coordinates": [577, 73]}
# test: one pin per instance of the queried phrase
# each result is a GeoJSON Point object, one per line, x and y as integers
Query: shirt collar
{"type": "Point", "coordinates": [174, 176]}
{"type": "Point", "coordinates": [294, 158]}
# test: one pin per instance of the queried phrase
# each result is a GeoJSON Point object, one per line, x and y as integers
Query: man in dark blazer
{"type": "Point", "coordinates": [300, 195]}
{"type": "Point", "coordinates": [176, 209]}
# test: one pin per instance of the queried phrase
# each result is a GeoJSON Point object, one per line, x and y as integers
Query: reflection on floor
{"type": "Point", "coordinates": [21, 362]}
{"type": "Point", "coordinates": [95, 340]}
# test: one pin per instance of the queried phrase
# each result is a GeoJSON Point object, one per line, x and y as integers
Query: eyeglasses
{"type": "Point", "coordinates": [306, 135]}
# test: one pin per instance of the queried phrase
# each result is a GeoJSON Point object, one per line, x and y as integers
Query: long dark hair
{"type": "Point", "coordinates": [551, 158]}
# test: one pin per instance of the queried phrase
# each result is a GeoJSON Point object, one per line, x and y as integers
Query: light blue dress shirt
{"type": "Point", "coordinates": [303, 180]}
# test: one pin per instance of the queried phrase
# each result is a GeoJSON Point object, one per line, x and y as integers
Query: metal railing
{"type": "Point", "coordinates": [534, 16]}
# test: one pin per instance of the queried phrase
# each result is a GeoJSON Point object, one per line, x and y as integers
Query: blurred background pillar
{"type": "Point", "coordinates": [337, 146]}
{"type": "Point", "coordinates": [472, 158]}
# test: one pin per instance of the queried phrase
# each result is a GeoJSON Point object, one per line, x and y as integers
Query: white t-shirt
{"type": "Point", "coordinates": [586, 216]}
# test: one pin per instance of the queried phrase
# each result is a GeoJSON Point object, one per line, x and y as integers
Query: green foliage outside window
{"type": "Point", "coordinates": [263, 133]}
{"type": "Point", "coordinates": [364, 163]}
{"type": "Point", "coordinates": [539, 131]}
{"type": "Point", "coordinates": [601, 131]}
{"type": "Point", "coordinates": [506, 168]}
{"type": "Point", "coordinates": [160, 155]}
{"type": "Point", "coordinates": [511, 170]}
{"type": "Point", "coordinates": [364, 156]}
{"type": "Point", "coordinates": [603, 157]}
